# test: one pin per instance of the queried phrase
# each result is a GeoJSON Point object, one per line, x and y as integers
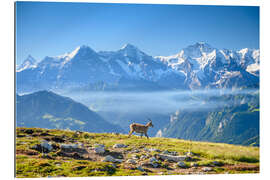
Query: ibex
{"type": "Point", "coordinates": [140, 128]}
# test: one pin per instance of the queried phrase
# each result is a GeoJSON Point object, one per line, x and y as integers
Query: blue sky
{"type": "Point", "coordinates": [50, 29]}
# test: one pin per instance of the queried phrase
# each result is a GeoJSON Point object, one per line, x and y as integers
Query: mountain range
{"type": "Point", "coordinates": [198, 66]}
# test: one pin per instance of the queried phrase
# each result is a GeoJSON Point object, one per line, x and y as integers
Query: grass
{"type": "Point", "coordinates": [204, 155]}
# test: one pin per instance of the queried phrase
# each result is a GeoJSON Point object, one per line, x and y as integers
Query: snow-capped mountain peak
{"type": "Point", "coordinates": [29, 62]}
{"type": "Point", "coordinates": [128, 46]}
{"type": "Point", "coordinates": [197, 50]}
{"type": "Point", "coordinates": [131, 51]}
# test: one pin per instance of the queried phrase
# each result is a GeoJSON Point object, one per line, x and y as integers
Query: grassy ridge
{"type": "Point", "coordinates": [31, 163]}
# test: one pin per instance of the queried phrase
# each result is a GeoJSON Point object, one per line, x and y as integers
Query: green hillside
{"type": "Point", "coordinates": [59, 153]}
{"type": "Point", "coordinates": [45, 109]}
{"type": "Point", "coordinates": [237, 122]}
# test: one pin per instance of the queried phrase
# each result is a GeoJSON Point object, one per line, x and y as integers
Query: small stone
{"type": "Point", "coordinates": [134, 156]}
{"type": "Point", "coordinates": [181, 164]}
{"type": "Point", "coordinates": [152, 150]}
{"type": "Point", "coordinates": [206, 169]}
{"type": "Point", "coordinates": [155, 164]}
{"type": "Point", "coordinates": [140, 168]}
{"type": "Point", "coordinates": [120, 146]}
{"type": "Point", "coordinates": [173, 153]}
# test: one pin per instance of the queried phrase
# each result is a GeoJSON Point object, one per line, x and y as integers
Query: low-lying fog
{"type": "Point", "coordinates": [157, 102]}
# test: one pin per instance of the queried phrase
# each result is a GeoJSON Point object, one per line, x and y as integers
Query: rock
{"type": "Point", "coordinates": [69, 146]}
{"type": "Point", "coordinates": [173, 153]}
{"type": "Point", "coordinates": [140, 168]}
{"type": "Point", "coordinates": [155, 164]}
{"type": "Point", "coordinates": [206, 169]}
{"type": "Point", "coordinates": [118, 160]}
{"type": "Point", "coordinates": [135, 156]}
{"type": "Point", "coordinates": [131, 161]}
{"type": "Point", "coordinates": [99, 150]}
{"type": "Point", "coordinates": [171, 158]}
{"type": "Point", "coordinates": [46, 145]}
{"type": "Point", "coordinates": [152, 149]}
{"type": "Point", "coordinates": [109, 158]}
{"type": "Point", "coordinates": [181, 164]}
{"type": "Point", "coordinates": [120, 146]}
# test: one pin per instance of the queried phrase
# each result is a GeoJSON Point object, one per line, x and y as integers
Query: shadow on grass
{"type": "Point", "coordinates": [246, 159]}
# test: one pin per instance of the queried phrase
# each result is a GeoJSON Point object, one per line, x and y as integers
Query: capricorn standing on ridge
{"type": "Point", "coordinates": [140, 128]}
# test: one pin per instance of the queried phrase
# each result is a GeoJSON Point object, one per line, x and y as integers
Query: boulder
{"type": "Point", "coordinates": [109, 158]}
{"type": "Point", "coordinates": [69, 146]}
{"type": "Point", "coordinates": [99, 150]}
{"type": "Point", "coordinates": [46, 145]}
{"type": "Point", "coordinates": [43, 147]}
{"type": "Point", "coordinates": [120, 146]}
{"type": "Point", "coordinates": [171, 158]}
